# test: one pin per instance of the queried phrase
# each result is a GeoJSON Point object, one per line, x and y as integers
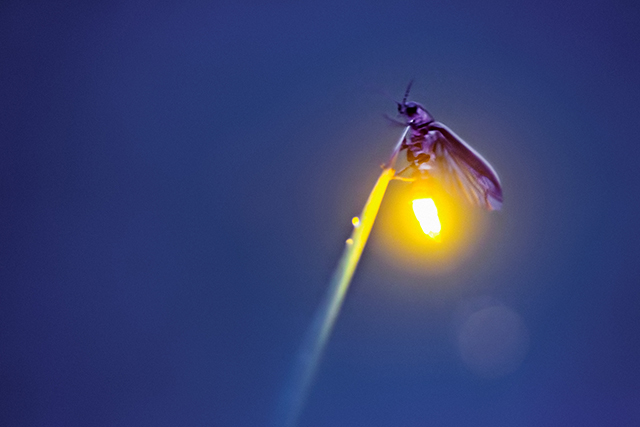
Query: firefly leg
{"type": "Point", "coordinates": [402, 171]}
{"type": "Point", "coordinates": [402, 178]}
{"type": "Point", "coordinates": [394, 121]}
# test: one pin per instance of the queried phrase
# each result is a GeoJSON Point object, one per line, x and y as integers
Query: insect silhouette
{"type": "Point", "coordinates": [435, 150]}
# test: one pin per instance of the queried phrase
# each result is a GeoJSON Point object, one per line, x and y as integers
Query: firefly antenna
{"type": "Point", "coordinates": [406, 93]}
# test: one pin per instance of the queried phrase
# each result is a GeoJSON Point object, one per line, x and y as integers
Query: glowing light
{"type": "Point", "coordinates": [355, 221]}
{"type": "Point", "coordinates": [427, 215]}
{"type": "Point", "coordinates": [349, 241]}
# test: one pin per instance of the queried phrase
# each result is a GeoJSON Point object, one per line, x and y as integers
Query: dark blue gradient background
{"type": "Point", "coordinates": [177, 181]}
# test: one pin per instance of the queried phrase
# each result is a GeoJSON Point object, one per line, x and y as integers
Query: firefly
{"type": "Point", "coordinates": [434, 150]}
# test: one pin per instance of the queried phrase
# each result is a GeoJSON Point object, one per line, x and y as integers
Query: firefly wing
{"type": "Point", "coordinates": [460, 167]}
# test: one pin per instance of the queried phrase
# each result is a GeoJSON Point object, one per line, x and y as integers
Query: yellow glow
{"type": "Point", "coordinates": [427, 215]}
{"type": "Point", "coordinates": [403, 247]}
{"type": "Point", "coordinates": [355, 221]}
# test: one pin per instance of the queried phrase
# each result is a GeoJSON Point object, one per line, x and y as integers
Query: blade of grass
{"type": "Point", "coordinates": [310, 353]}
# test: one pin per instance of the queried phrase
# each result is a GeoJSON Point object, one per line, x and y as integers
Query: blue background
{"type": "Point", "coordinates": [177, 181]}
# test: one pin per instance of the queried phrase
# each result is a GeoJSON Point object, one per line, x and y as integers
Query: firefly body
{"type": "Point", "coordinates": [435, 150]}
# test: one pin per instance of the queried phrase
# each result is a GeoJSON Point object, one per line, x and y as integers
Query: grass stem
{"type": "Point", "coordinates": [310, 353]}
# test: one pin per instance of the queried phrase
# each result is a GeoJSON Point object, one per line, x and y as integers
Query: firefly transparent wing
{"type": "Point", "coordinates": [460, 167]}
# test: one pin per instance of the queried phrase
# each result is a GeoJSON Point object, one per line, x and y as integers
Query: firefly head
{"type": "Point", "coordinates": [408, 109]}
{"type": "Point", "coordinates": [414, 112]}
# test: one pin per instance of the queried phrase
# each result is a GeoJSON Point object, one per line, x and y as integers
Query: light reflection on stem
{"type": "Point", "coordinates": [310, 353]}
